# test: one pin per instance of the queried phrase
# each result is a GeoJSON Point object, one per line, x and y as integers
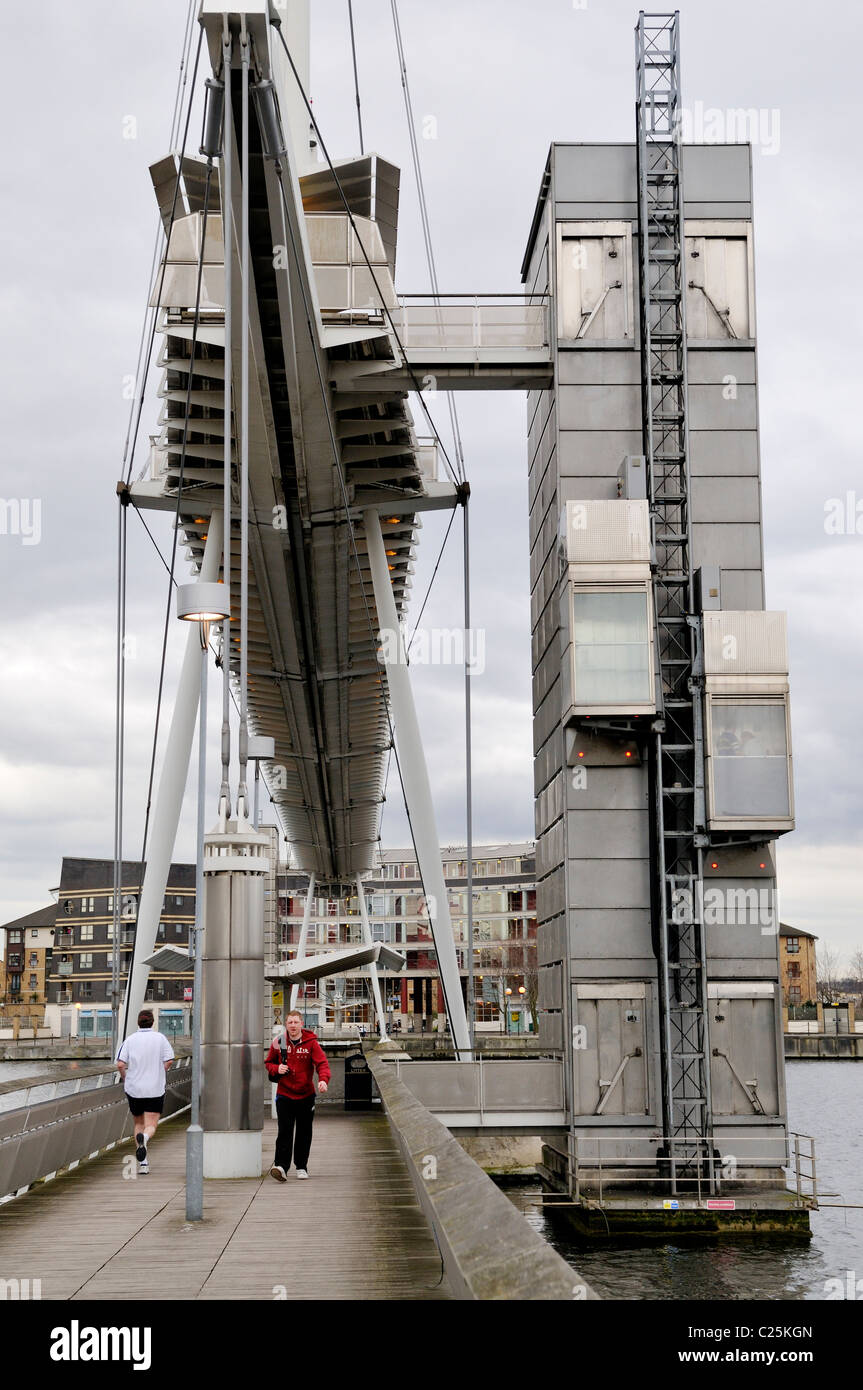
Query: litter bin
{"type": "Point", "coordinates": [358, 1082]}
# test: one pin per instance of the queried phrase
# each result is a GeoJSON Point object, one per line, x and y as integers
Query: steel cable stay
{"type": "Point", "coordinates": [171, 581]}
{"type": "Point", "coordinates": [149, 355]}
{"type": "Point", "coordinates": [122, 539]}
{"type": "Point", "coordinates": [275, 22]}
{"type": "Point", "coordinates": [175, 130]}
{"type": "Point", "coordinates": [356, 74]}
{"type": "Point", "coordinates": [424, 218]}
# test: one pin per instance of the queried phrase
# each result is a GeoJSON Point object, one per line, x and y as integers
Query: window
{"type": "Point", "coordinates": [88, 904]}
{"type": "Point", "coordinates": [792, 944]}
{"type": "Point", "coordinates": [86, 931]}
{"type": "Point", "coordinates": [794, 994]}
{"type": "Point", "coordinates": [85, 960]}
{"type": "Point", "coordinates": [34, 933]}
{"type": "Point", "coordinates": [109, 902]}
{"type": "Point", "coordinates": [16, 937]}
{"type": "Point", "coordinates": [110, 931]}
{"type": "Point", "coordinates": [794, 969]}
{"type": "Point", "coordinates": [85, 989]}
{"type": "Point", "coordinates": [34, 959]}
{"type": "Point", "coordinates": [749, 748]}
{"type": "Point", "coordinates": [612, 648]}
{"type": "Point", "coordinates": [34, 981]}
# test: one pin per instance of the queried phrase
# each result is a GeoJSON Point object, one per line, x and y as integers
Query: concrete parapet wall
{"type": "Point", "coordinates": [488, 1249]}
{"type": "Point", "coordinates": [824, 1047]}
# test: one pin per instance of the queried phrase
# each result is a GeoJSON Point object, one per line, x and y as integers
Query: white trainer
{"type": "Point", "coordinates": [278, 1172]}
{"type": "Point", "coordinates": [301, 1173]}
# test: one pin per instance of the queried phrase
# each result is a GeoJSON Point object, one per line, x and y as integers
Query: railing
{"type": "Point", "coordinates": [482, 322]}
{"type": "Point", "coordinates": [49, 1126]}
{"type": "Point", "coordinates": [487, 1087]}
{"type": "Point", "coordinates": [597, 1168]}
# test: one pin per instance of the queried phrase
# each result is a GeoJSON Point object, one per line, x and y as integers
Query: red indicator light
{"type": "Point", "coordinates": [714, 865]}
{"type": "Point", "coordinates": [628, 754]}
{"type": "Point", "coordinates": [581, 755]}
{"type": "Point", "coordinates": [762, 866]}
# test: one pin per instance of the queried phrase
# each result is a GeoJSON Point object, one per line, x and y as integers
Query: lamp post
{"type": "Point", "coordinates": [507, 992]}
{"type": "Point", "coordinates": [201, 603]}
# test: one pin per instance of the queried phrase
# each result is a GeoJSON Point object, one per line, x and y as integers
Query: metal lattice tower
{"type": "Point", "coordinates": [678, 754]}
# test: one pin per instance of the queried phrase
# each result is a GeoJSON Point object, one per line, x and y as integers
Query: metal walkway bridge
{"type": "Point", "coordinates": [100, 1232]}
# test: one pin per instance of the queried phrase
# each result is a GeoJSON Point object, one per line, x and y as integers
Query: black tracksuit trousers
{"type": "Point", "coordinates": [295, 1131]}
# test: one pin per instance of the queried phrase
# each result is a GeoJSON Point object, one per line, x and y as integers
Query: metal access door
{"type": "Point", "coordinates": [836, 1018]}
{"type": "Point", "coordinates": [610, 1071]}
{"type": "Point", "coordinates": [594, 280]}
{"type": "Point", "coordinates": [744, 1062]}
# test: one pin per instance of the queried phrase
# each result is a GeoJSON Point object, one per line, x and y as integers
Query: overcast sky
{"type": "Point", "coordinates": [502, 80]}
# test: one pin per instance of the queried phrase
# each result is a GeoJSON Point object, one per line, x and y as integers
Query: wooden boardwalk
{"type": "Point", "coordinates": [354, 1231]}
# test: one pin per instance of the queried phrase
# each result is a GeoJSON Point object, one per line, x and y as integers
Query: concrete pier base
{"type": "Point", "coordinates": [233, 1154]}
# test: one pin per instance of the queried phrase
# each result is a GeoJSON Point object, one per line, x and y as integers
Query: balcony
{"type": "Point", "coordinates": [64, 967]}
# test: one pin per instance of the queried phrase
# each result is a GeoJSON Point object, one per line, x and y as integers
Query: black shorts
{"type": "Point", "coordinates": [138, 1104]}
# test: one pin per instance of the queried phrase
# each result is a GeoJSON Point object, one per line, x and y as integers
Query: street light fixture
{"type": "Point", "coordinates": [203, 603]}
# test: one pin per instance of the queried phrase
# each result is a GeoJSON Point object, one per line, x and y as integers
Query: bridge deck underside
{"type": "Point", "coordinates": [354, 1230]}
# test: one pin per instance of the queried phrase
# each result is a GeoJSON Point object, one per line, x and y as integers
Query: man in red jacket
{"type": "Point", "coordinates": [292, 1062]}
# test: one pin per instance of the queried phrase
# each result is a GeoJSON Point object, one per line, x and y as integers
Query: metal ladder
{"type": "Point", "coordinates": [678, 751]}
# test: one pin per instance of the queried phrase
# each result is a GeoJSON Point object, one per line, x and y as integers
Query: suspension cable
{"type": "Point", "coordinates": [356, 76]}
{"type": "Point", "coordinates": [177, 510]}
{"type": "Point", "coordinates": [276, 22]}
{"type": "Point", "coordinates": [424, 217]}
{"type": "Point", "coordinates": [149, 355]}
{"type": "Point", "coordinates": [119, 739]}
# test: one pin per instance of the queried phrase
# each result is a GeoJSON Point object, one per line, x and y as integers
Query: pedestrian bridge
{"type": "Point", "coordinates": [394, 1209]}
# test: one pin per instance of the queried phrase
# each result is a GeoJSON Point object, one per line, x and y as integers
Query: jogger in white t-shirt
{"type": "Point", "coordinates": [143, 1062]}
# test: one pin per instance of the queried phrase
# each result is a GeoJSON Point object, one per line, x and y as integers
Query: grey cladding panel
{"type": "Point", "coordinates": [600, 408]}
{"type": "Point", "coordinates": [609, 883]}
{"type": "Point", "coordinates": [593, 173]}
{"type": "Point", "coordinates": [593, 455]}
{"type": "Point", "coordinates": [622, 935]}
{"type": "Point", "coordinates": [742, 590]}
{"type": "Point", "coordinates": [732, 547]}
{"type": "Point", "coordinates": [725, 499]}
{"type": "Point", "coordinates": [707, 365]}
{"type": "Point", "coordinates": [709, 410]}
{"type": "Point", "coordinates": [724, 453]}
{"type": "Point", "coordinates": [610, 788]}
{"type": "Point", "coordinates": [580, 367]}
{"type": "Point", "coordinates": [609, 835]}
{"type": "Point", "coordinates": [717, 174]}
